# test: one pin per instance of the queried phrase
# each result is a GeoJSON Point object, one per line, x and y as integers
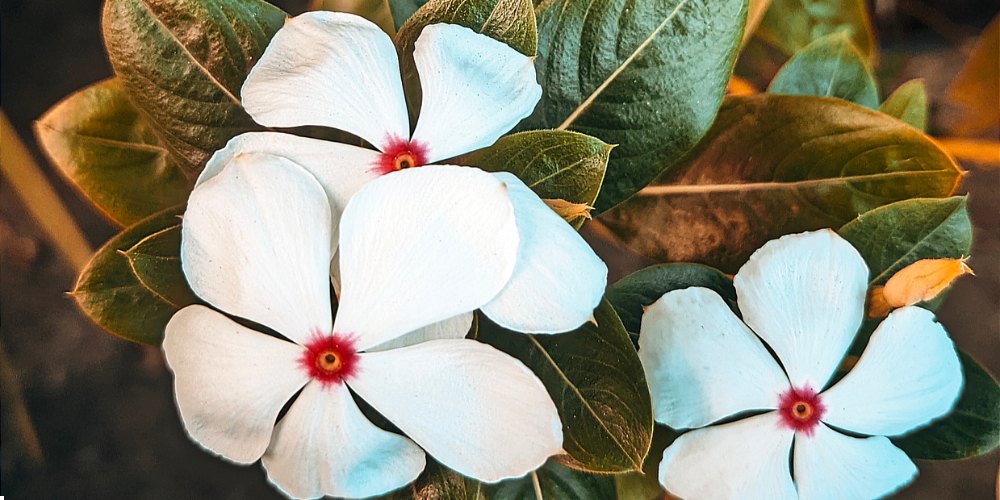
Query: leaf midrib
{"type": "Point", "coordinates": [583, 106]}
{"type": "Point", "coordinates": [777, 185]}
{"type": "Point", "coordinates": [187, 52]}
{"type": "Point", "coordinates": [584, 402]}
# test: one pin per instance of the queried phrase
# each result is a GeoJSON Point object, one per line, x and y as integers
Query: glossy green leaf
{"type": "Point", "coordinates": [897, 235]}
{"type": "Point", "coordinates": [438, 482]}
{"type": "Point", "coordinates": [790, 25]}
{"type": "Point", "coordinates": [647, 76]}
{"type": "Point", "coordinates": [402, 10]}
{"type": "Point", "coordinates": [114, 297]}
{"type": "Point", "coordinates": [633, 293]}
{"type": "Point", "coordinates": [645, 485]}
{"type": "Point", "coordinates": [777, 164]}
{"type": "Point", "coordinates": [971, 429]}
{"type": "Point", "coordinates": [830, 66]}
{"type": "Point", "coordinates": [183, 63]}
{"type": "Point", "coordinates": [105, 147]}
{"type": "Point", "coordinates": [155, 261]}
{"type": "Point", "coordinates": [554, 482]}
{"type": "Point", "coordinates": [909, 104]}
{"type": "Point", "coordinates": [594, 376]}
{"type": "Point", "coordinates": [555, 164]}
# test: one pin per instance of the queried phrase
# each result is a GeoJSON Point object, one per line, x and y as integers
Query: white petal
{"type": "Point", "coordinates": [473, 408]}
{"type": "Point", "coordinates": [747, 458]}
{"type": "Point", "coordinates": [558, 280]}
{"type": "Point", "coordinates": [908, 375]}
{"type": "Point", "coordinates": [255, 242]}
{"type": "Point", "coordinates": [702, 363]}
{"type": "Point", "coordinates": [456, 327]}
{"type": "Point", "coordinates": [230, 381]}
{"type": "Point", "coordinates": [422, 245]}
{"type": "Point", "coordinates": [325, 446]}
{"type": "Point", "coordinates": [830, 465]}
{"type": "Point", "coordinates": [474, 90]}
{"type": "Point", "coordinates": [331, 69]}
{"type": "Point", "coordinates": [804, 294]}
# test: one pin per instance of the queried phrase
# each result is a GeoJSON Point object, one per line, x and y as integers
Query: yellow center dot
{"type": "Point", "coordinates": [405, 160]}
{"type": "Point", "coordinates": [328, 361]}
{"type": "Point", "coordinates": [802, 411]}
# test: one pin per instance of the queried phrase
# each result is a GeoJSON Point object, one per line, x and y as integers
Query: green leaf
{"type": "Point", "coordinates": [594, 376]}
{"type": "Point", "coordinates": [554, 482]}
{"type": "Point", "coordinates": [776, 164]}
{"type": "Point", "coordinates": [971, 429]}
{"type": "Point", "coordinates": [633, 293]}
{"type": "Point", "coordinates": [556, 164]}
{"type": "Point", "coordinates": [909, 104]}
{"type": "Point", "coordinates": [645, 485]}
{"type": "Point", "coordinates": [790, 25]}
{"type": "Point", "coordinates": [402, 10]}
{"type": "Point", "coordinates": [438, 482]}
{"type": "Point", "coordinates": [183, 63]}
{"type": "Point", "coordinates": [897, 235]}
{"type": "Point", "coordinates": [648, 76]}
{"type": "Point", "coordinates": [155, 261]}
{"type": "Point", "coordinates": [831, 66]}
{"type": "Point", "coordinates": [105, 148]}
{"type": "Point", "coordinates": [114, 297]}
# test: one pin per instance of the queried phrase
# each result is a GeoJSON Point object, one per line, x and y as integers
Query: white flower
{"type": "Point", "coordinates": [804, 295]}
{"type": "Point", "coordinates": [416, 248]}
{"type": "Point", "coordinates": [339, 70]}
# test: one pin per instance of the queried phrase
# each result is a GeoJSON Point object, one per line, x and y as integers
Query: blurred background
{"type": "Point", "coordinates": [86, 415]}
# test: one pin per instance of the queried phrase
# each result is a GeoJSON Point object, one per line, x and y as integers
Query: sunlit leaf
{"type": "Point", "coordinates": [773, 165]}
{"type": "Point", "coordinates": [633, 293]}
{"type": "Point", "coordinates": [830, 66]}
{"type": "Point", "coordinates": [183, 63]}
{"type": "Point", "coordinates": [110, 292]}
{"type": "Point", "coordinates": [105, 147]}
{"type": "Point", "coordinates": [555, 164]}
{"type": "Point", "coordinates": [554, 481]}
{"type": "Point", "coordinates": [594, 376]}
{"type": "Point", "coordinates": [648, 76]}
{"type": "Point", "coordinates": [897, 235]}
{"type": "Point", "coordinates": [909, 104]}
{"type": "Point", "coordinates": [971, 429]}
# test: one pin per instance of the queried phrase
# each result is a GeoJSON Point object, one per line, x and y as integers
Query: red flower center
{"type": "Point", "coordinates": [399, 154]}
{"type": "Point", "coordinates": [330, 358]}
{"type": "Point", "coordinates": [800, 409]}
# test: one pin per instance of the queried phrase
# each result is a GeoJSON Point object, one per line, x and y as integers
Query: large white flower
{"type": "Point", "coordinates": [804, 295]}
{"type": "Point", "coordinates": [416, 248]}
{"type": "Point", "coordinates": [339, 70]}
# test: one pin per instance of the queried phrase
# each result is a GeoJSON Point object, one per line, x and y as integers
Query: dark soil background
{"type": "Point", "coordinates": [103, 409]}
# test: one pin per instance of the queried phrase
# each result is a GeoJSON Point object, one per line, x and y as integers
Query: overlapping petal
{"type": "Point", "coordinates": [331, 69]}
{"type": "Point", "coordinates": [256, 244]}
{"type": "Point", "coordinates": [830, 465]}
{"type": "Point", "coordinates": [908, 375]}
{"type": "Point", "coordinates": [420, 246]}
{"type": "Point", "coordinates": [475, 89]}
{"type": "Point", "coordinates": [473, 408]}
{"type": "Point", "coordinates": [456, 327]}
{"type": "Point", "coordinates": [702, 363]}
{"type": "Point", "coordinates": [230, 382]}
{"type": "Point", "coordinates": [325, 446]}
{"type": "Point", "coordinates": [558, 280]}
{"type": "Point", "coordinates": [747, 458]}
{"type": "Point", "coordinates": [804, 294]}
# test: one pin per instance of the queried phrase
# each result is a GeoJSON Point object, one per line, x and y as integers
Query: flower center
{"type": "Point", "coordinates": [399, 154]}
{"type": "Point", "coordinates": [329, 358]}
{"type": "Point", "coordinates": [800, 409]}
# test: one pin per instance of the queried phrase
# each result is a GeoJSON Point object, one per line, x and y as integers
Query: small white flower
{"type": "Point", "coordinates": [339, 70]}
{"type": "Point", "coordinates": [416, 248]}
{"type": "Point", "coordinates": [804, 296]}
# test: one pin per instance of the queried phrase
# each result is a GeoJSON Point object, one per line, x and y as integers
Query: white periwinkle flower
{"type": "Point", "coordinates": [804, 296]}
{"type": "Point", "coordinates": [416, 249]}
{"type": "Point", "coordinates": [340, 70]}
